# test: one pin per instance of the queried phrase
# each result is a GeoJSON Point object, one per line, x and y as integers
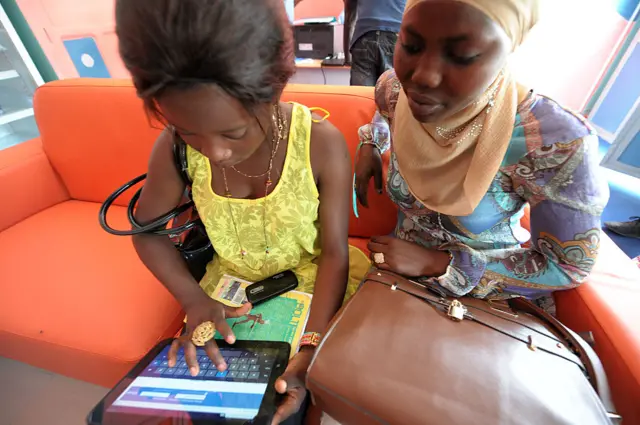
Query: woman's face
{"type": "Point", "coordinates": [448, 53]}
{"type": "Point", "coordinates": [214, 123]}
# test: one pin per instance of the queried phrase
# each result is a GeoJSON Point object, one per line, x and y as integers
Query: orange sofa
{"type": "Point", "coordinates": [78, 302]}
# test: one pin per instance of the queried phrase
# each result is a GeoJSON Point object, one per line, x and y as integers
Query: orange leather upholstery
{"type": "Point", "coordinates": [28, 184]}
{"type": "Point", "coordinates": [95, 134]}
{"type": "Point", "coordinates": [77, 301]}
{"type": "Point", "coordinates": [609, 306]}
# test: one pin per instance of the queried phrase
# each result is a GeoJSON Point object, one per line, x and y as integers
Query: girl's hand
{"type": "Point", "coordinates": [368, 164]}
{"type": "Point", "coordinates": [205, 309]}
{"type": "Point", "coordinates": [291, 383]}
{"type": "Point", "coordinates": [407, 258]}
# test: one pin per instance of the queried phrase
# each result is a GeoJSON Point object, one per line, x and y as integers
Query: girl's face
{"type": "Point", "coordinates": [215, 124]}
{"type": "Point", "coordinates": [448, 53]}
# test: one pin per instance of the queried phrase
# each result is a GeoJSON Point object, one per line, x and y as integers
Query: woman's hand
{"type": "Point", "coordinates": [292, 385]}
{"type": "Point", "coordinates": [204, 309]}
{"type": "Point", "coordinates": [407, 258]}
{"type": "Point", "coordinates": [368, 164]}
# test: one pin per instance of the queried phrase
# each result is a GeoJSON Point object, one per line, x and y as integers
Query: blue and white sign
{"type": "Point", "coordinates": [86, 57]}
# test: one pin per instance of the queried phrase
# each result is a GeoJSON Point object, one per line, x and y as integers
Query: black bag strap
{"type": "Point", "coordinates": [180, 157]}
{"type": "Point", "coordinates": [157, 226]}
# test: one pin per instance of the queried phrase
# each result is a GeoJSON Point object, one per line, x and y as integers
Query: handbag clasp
{"type": "Point", "coordinates": [456, 311]}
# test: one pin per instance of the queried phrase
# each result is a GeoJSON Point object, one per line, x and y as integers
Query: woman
{"type": "Point", "coordinates": [470, 148]}
{"type": "Point", "coordinates": [270, 184]}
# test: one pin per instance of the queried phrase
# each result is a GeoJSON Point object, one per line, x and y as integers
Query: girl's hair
{"type": "Point", "coordinates": [245, 47]}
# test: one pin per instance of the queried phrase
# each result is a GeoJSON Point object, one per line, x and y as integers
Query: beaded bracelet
{"type": "Point", "coordinates": [310, 339]}
{"type": "Point", "coordinates": [354, 195]}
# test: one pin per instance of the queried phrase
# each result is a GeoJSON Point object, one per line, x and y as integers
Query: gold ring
{"type": "Point", "coordinates": [378, 258]}
{"type": "Point", "coordinates": [203, 333]}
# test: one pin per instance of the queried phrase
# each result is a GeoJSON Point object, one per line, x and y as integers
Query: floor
{"type": "Point", "coordinates": [32, 396]}
{"type": "Point", "coordinates": [624, 202]}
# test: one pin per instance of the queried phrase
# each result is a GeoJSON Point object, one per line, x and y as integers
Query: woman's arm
{"type": "Point", "coordinates": [566, 203]}
{"type": "Point", "coordinates": [386, 95]}
{"type": "Point", "coordinates": [375, 138]}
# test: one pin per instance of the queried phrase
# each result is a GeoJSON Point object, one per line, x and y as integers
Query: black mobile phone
{"type": "Point", "coordinates": [264, 290]}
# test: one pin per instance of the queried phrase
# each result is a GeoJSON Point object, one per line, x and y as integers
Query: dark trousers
{"type": "Point", "coordinates": [371, 56]}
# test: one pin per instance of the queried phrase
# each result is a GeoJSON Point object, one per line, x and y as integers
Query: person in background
{"type": "Point", "coordinates": [271, 181]}
{"type": "Point", "coordinates": [469, 149]}
{"type": "Point", "coordinates": [370, 33]}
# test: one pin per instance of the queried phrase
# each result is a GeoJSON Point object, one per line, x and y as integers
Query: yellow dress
{"type": "Point", "coordinates": [290, 240]}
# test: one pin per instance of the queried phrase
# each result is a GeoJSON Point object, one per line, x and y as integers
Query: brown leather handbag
{"type": "Point", "coordinates": [399, 354]}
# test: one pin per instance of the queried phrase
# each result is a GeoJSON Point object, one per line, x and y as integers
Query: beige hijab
{"type": "Point", "coordinates": [450, 165]}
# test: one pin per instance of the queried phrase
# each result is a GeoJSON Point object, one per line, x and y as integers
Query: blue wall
{"type": "Point", "coordinates": [627, 7]}
{"type": "Point", "coordinates": [622, 96]}
{"type": "Point", "coordinates": [631, 155]}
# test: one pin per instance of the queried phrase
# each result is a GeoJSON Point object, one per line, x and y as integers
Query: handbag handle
{"type": "Point", "coordinates": [158, 225]}
{"type": "Point", "coordinates": [589, 358]}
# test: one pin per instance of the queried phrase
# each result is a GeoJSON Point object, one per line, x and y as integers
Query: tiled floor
{"type": "Point", "coordinates": [31, 396]}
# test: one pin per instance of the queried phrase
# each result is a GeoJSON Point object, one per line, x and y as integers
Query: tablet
{"type": "Point", "coordinates": [153, 393]}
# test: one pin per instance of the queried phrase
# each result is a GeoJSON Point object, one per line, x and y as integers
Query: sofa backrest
{"type": "Point", "coordinates": [97, 136]}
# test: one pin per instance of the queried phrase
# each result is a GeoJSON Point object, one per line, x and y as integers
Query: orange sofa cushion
{"type": "Point", "coordinates": [76, 300]}
{"type": "Point", "coordinates": [95, 133]}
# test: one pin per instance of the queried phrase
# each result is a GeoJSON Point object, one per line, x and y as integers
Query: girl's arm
{"type": "Point", "coordinates": [162, 192]}
{"type": "Point", "coordinates": [331, 164]}
{"type": "Point", "coordinates": [332, 170]}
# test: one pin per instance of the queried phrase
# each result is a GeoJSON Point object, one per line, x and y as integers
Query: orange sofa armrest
{"type": "Point", "coordinates": [607, 305]}
{"type": "Point", "coordinates": [28, 183]}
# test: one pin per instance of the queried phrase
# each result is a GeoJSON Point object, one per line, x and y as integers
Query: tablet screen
{"type": "Point", "coordinates": [236, 393]}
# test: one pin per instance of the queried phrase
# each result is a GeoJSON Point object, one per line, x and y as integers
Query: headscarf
{"type": "Point", "coordinates": [451, 174]}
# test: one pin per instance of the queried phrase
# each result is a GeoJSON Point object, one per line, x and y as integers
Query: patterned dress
{"type": "Point", "coordinates": [552, 165]}
{"type": "Point", "coordinates": [285, 222]}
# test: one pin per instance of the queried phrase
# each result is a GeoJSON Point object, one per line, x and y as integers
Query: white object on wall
{"type": "Point", "coordinates": [289, 6]}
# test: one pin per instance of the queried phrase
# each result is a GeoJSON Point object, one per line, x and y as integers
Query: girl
{"type": "Point", "coordinates": [270, 183]}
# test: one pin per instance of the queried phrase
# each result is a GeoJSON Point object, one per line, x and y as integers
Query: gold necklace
{"type": "Point", "coordinates": [474, 126]}
{"type": "Point", "coordinates": [280, 121]}
{"type": "Point", "coordinates": [278, 124]}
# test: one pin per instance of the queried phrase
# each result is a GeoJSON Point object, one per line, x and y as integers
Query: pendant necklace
{"type": "Point", "coordinates": [278, 126]}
